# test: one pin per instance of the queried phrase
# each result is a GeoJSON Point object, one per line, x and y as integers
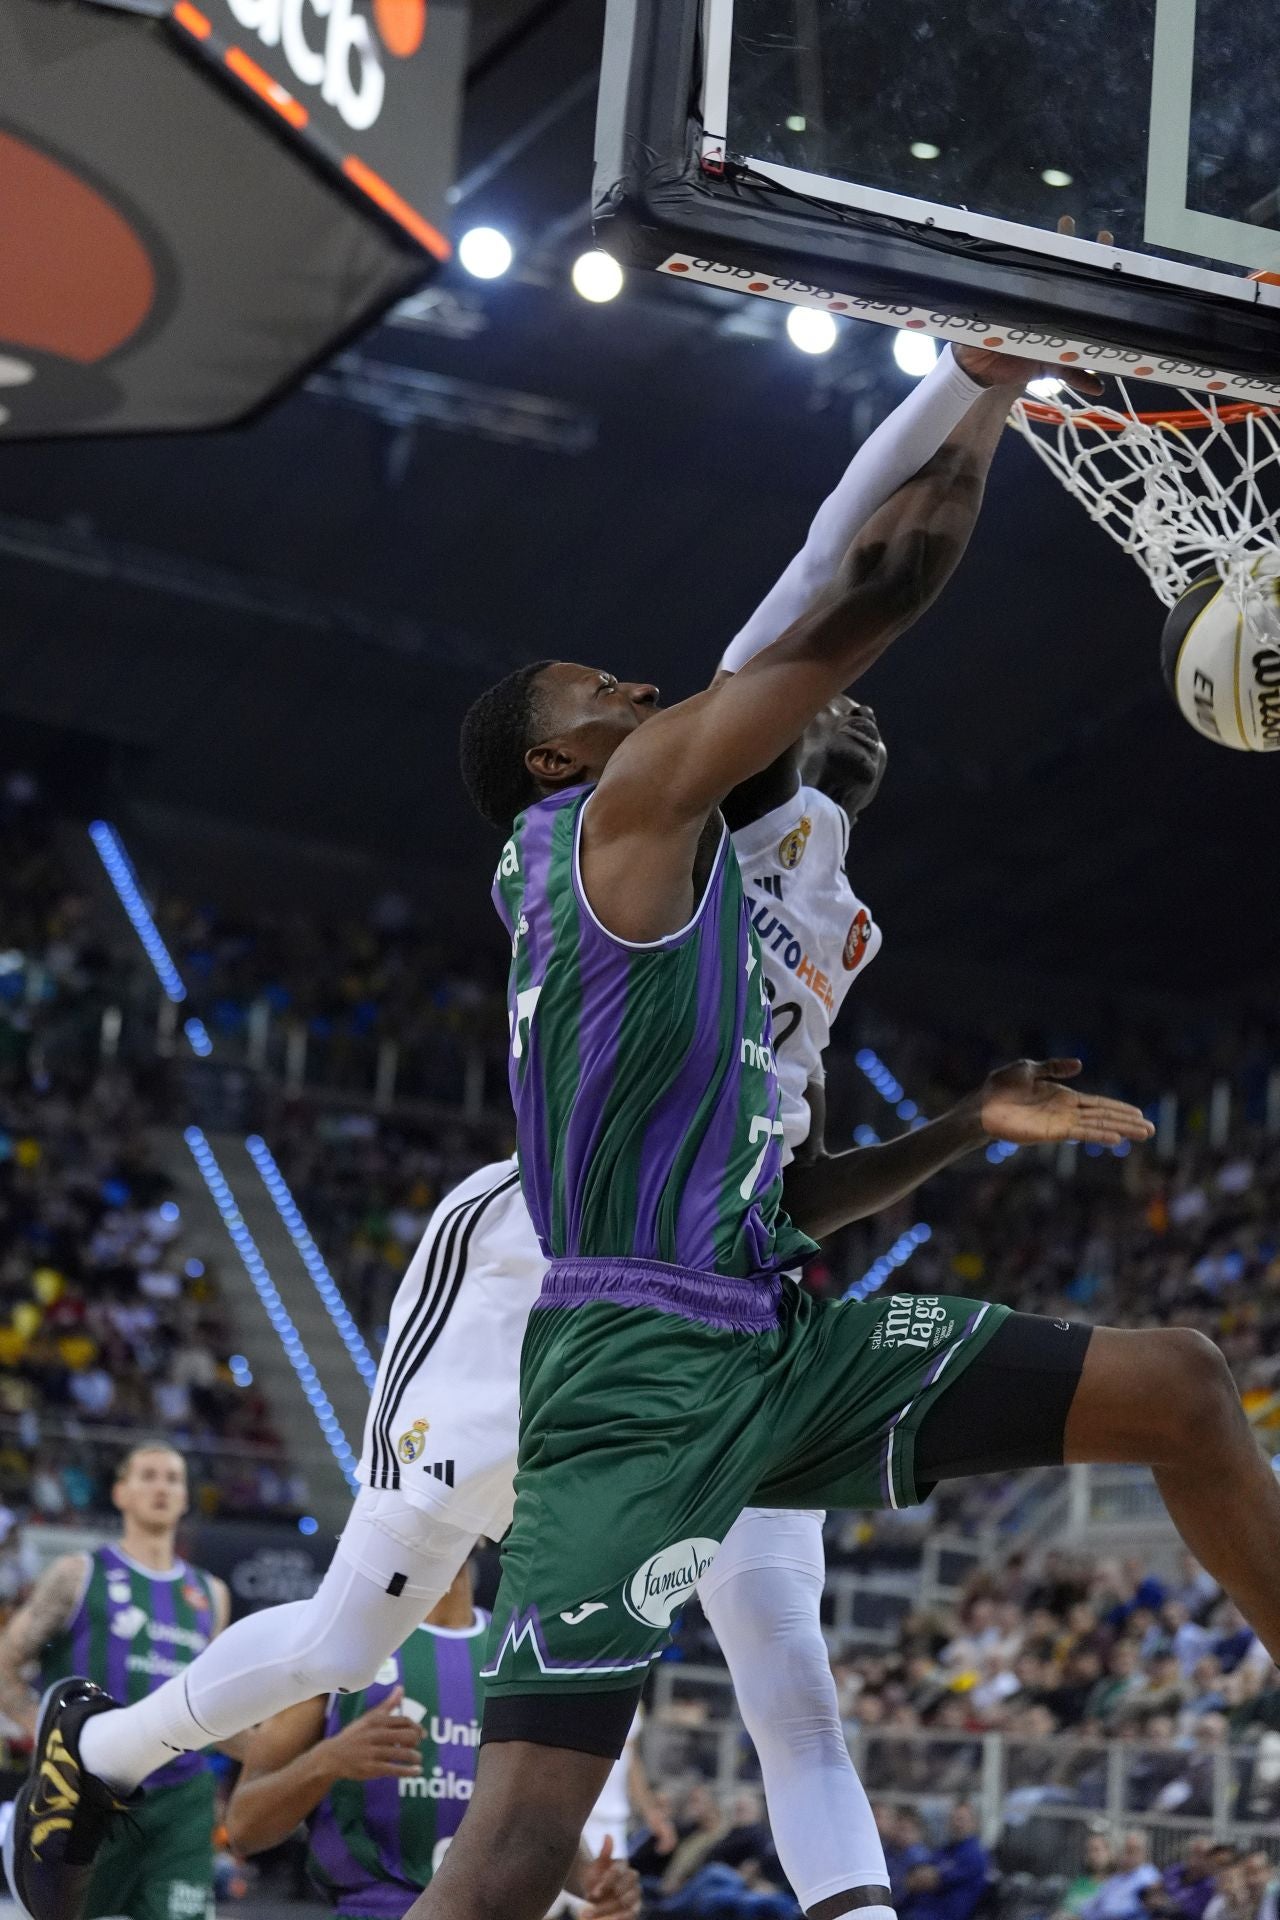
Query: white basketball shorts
{"type": "Point", "coordinates": [444, 1421]}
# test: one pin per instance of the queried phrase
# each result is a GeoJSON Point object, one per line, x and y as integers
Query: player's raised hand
{"type": "Point", "coordinates": [1012, 370]}
{"type": "Point", "coordinates": [383, 1744]}
{"type": "Point", "coordinates": [1027, 1103]}
{"type": "Point", "coordinates": [610, 1887]}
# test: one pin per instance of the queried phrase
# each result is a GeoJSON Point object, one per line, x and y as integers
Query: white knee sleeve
{"type": "Point", "coordinates": [392, 1565]}
{"type": "Point", "coordinates": [762, 1602]}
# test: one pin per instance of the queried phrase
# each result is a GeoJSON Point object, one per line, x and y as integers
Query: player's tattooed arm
{"type": "Point", "coordinates": [1025, 1103]}
{"type": "Point", "coordinates": [642, 829]}
{"type": "Point", "coordinates": [46, 1613]}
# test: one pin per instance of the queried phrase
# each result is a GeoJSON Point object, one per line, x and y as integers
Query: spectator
{"type": "Point", "coordinates": [1185, 1889]}
{"type": "Point", "coordinates": [1120, 1895]}
{"type": "Point", "coordinates": [902, 1837]}
{"type": "Point", "coordinates": [1095, 1869]}
{"type": "Point", "coordinates": [952, 1882]}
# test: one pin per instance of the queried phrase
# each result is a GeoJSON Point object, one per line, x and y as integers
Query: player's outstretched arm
{"type": "Point", "coordinates": [1025, 1103]}
{"type": "Point", "coordinates": [642, 826]}
{"type": "Point", "coordinates": [672, 771]}
{"type": "Point", "coordinates": [885, 461]}
{"type": "Point", "coordinates": [288, 1768]}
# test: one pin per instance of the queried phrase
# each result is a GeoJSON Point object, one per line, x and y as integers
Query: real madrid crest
{"type": "Point", "coordinates": [411, 1445]}
{"type": "Point", "coordinates": [792, 845]}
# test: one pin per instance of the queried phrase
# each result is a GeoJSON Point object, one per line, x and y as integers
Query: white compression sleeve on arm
{"type": "Point", "coordinates": [885, 461]}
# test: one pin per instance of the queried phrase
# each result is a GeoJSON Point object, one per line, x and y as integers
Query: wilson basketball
{"type": "Point", "coordinates": [1225, 679]}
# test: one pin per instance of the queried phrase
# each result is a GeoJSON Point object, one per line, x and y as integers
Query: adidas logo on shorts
{"type": "Point", "coordinates": [439, 1470]}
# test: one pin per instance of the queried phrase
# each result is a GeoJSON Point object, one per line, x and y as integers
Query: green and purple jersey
{"type": "Point", "coordinates": [132, 1631]}
{"type": "Point", "coordinates": [376, 1843]}
{"type": "Point", "coordinates": [645, 1088]}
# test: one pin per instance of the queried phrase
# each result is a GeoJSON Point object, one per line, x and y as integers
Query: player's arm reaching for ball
{"type": "Point", "coordinates": [642, 827]}
{"type": "Point", "coordinates": [47, 1612]}
{"type": "Point", "coordinates": [1025, 1103]}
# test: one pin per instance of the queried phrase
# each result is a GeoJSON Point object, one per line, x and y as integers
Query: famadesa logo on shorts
{"type": "Point", "coordinates": [664, 1583]}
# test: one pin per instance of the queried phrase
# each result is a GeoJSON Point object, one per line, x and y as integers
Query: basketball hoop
{"type": "Point", "coordinates": [1184, 492]}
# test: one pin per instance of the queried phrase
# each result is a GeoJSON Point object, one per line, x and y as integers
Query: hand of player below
{"type": "Point", "coordinates": [1011, 370]}
{"type": "Point", "coordinates": [383, 1744]}
{"type": "Point", "coordinates": [610, 1887]}
{"type": "Point", "coordinates": [1027, 1104]}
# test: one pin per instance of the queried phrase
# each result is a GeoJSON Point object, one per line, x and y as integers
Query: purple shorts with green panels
{"type": "Point", "coordinates": [656, 1403]}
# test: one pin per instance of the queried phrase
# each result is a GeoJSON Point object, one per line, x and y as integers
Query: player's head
{"type": "Point", "coordinates": [843, 754]}
{"type": "Point", "coordinates": [549, 725]}
{"type": "Point", "coordinates": [151, 1486]}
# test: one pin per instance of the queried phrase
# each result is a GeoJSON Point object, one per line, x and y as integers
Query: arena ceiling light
{"type": "Point", "coordinates": [1056, 177]}
{"type": "Point", "coordinates": [915, 353]}
{"type": "Point", "coordinates": [597, 276]}
{"type": "Point", "coordinates": [924, 150]}
{"type": "Point", "coordinates": [485, 253]}
{"type": "Point", "coordinates": [811, 330]}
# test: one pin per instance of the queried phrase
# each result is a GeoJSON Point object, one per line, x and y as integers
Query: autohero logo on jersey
{"type": "Point", "coordinates": [773, 932]}
{"type": "Point", "coordinates": [912, 1320]}
{"type": "Point", "coordinates": [330, 44]}
{"type": "Point", "coordinates": [665, 1582]}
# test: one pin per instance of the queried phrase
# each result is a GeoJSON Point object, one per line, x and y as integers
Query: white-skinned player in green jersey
{"type": "Point", "coordinates": [131, 1614]}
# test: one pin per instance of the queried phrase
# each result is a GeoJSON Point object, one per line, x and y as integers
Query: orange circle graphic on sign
{"type": "Point", "coordinates": [402, 24]}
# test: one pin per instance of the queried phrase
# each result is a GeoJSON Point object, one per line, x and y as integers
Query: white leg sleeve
{"type": "Point", "coordinates": [761, 1597]}
{"type": "Point", "coordinates": [393, 1563]}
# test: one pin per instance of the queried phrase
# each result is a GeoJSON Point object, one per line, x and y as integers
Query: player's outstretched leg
{"type": "Point", "coordinates": [1045, 1392]}
{"type": "Point", "coordinates": [762, 1597]}
{"type": "Point", "coordinates": [392, 1564]}
{"type": "Point", "coordinates": [1166, 1400]}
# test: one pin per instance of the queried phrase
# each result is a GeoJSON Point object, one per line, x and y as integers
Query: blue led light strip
{"type": "Point", "coordinates": [897, 1256]}
{"type": "Point", "coordinates": [122, 877]}
{"type": "Point", "coordinates": [265, 1287]}
{"type": "Point", "coordinates": [312, 1259]}
{"type": "Point", "coordinates": [120, 869]}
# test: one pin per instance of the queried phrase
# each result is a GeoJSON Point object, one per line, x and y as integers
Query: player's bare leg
{"type": "Point", "coordinates": [1166, 1400]}
{"type": "Point", "coordinates": [512, 1854]}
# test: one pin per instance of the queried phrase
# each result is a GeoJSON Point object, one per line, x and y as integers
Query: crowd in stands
{"type": "Point", "coordinates": [109, 1325]}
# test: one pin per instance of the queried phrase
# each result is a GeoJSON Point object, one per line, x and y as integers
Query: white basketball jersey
{"type": "Point", "coordinates": [815, 935]}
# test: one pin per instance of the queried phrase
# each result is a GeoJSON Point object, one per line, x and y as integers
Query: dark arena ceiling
{"type": "Point", "coordinates": [254, 648]}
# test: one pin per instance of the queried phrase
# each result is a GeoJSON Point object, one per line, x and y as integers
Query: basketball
{"type": "Point", "coordinates": [1225, 680]}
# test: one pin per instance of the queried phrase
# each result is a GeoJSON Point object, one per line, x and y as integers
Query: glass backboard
{"type": "Point", "coordinates": [1106, 171]}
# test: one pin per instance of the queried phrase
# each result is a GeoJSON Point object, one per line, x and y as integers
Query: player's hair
{"type": "Point", "coordinates": [498, 730]}
{"type": "Point", "coordinates": [154, 1443]}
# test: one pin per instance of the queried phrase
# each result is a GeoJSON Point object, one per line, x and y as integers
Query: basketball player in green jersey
{"type": "Point", "coordinates": [670, 1374]}
{"type": "Point", "coordinates": [131, 1614]}
{"type": "Point", "coordinates": [382, 1777]}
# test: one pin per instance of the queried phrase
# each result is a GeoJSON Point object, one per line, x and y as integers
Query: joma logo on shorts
{"type": "Point", "coordinates": [665, 1582]}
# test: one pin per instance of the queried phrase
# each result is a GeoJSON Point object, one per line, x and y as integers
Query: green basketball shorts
{"type": "Point", "coordinates": [656, 1403]}
{"type": "Point", "coordinates": [159, 1866]}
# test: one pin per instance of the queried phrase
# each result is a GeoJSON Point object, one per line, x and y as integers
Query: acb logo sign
{"type": "Point", "coordinates": [330, 45]}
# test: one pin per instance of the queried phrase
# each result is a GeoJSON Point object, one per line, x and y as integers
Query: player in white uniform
{"type": "Point", "coordinates": [439, 1447]}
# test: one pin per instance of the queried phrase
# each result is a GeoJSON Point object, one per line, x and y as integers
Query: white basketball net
{"type": "Point", "coordinates": [1181, 492]}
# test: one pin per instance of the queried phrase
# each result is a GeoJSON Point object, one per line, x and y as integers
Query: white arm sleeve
{"type": "Point", "coordinates": [885, 461]}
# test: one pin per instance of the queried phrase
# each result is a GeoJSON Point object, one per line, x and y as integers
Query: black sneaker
{"type": "Point", "coordinates": [61, 1815]}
